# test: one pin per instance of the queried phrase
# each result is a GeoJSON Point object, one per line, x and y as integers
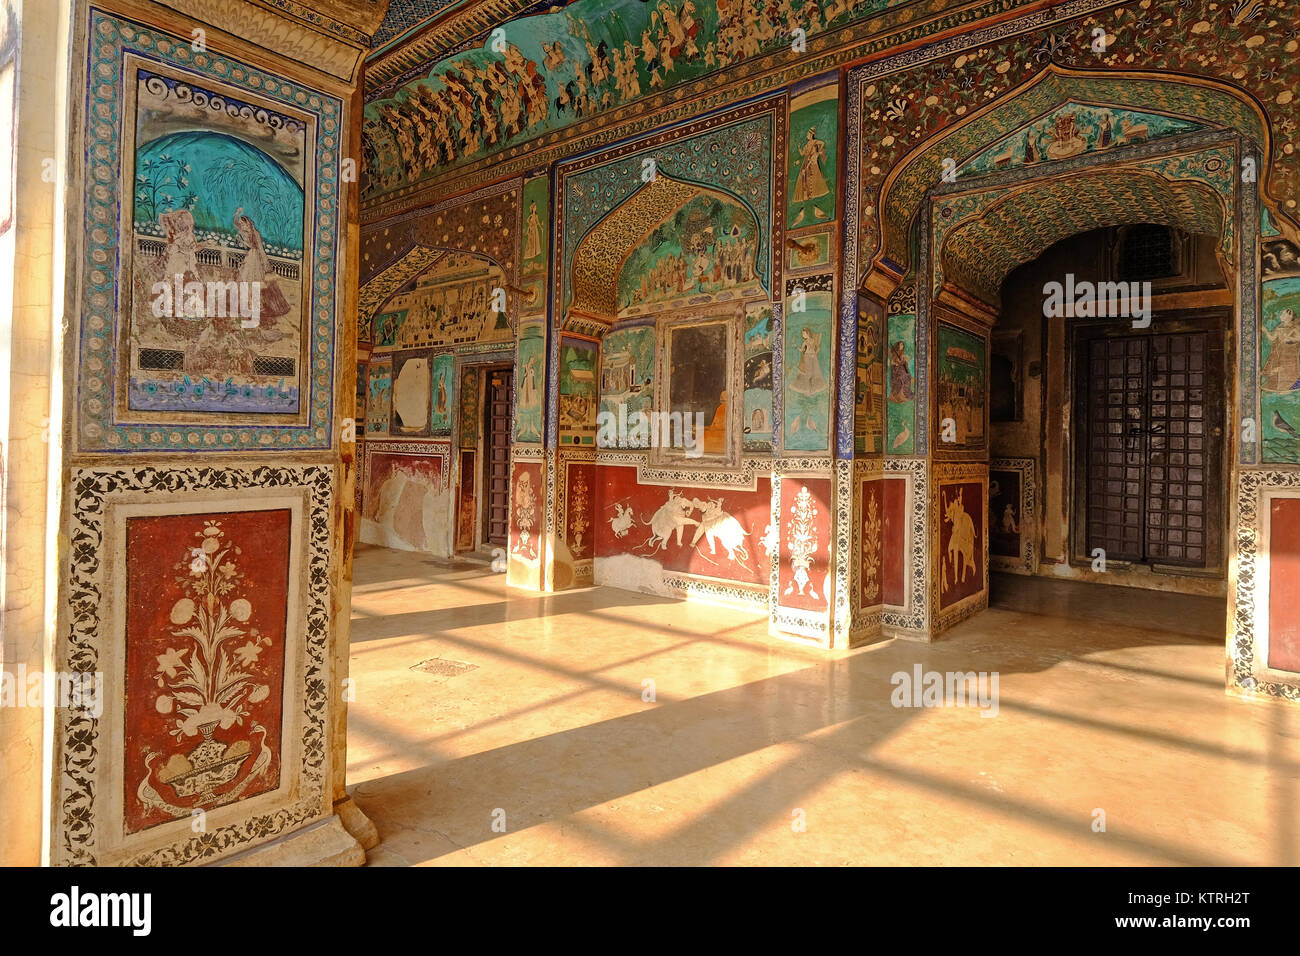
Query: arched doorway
{"type": "Point", "coordinates": [1066, 154]}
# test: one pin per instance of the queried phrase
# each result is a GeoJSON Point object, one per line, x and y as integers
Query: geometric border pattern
{"type": "Point", "coordinates": [77, 735]}
{"type": "Point", "coordinates": [109, 38]}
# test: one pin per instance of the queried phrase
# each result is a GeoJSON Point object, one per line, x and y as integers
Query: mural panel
{"type": "Point", "coordinates": [1283, 601]}
{"type": "Point", "coordinates": [404, 504]}
{"type": "Point", "coordinates": [896, 541]}
{"type": "Point", "coordinates": [564, 65]}
{"type": "Point", "coordinates": [803, 579]}
{"type": "Point", "coordinates": [705, 247]}
{"type": "Point", "coordinates": [813, 161]}
{"type": "Point", "coordinates": [698, 376]}
{"type": "Point", "coordinates": [869, 404]}
{"type": "Point", "coordinates": [578, 396]}
{"type": "Point", "coordinates": [207, 599]}
{"type": "Point", "coordinates": [900, 408]}
{"type": "Point", "coordinates": [757, 421]}
{"type": "Point", "coordinates": [227, 180]}
{"type": "Point", "coordinates": [870, 570]}
{"type": "Point", "coordinates": [212, 206]}
{"type": "Point", "coordinates": [529, 375]}
{"type": "Point", "coordinates": [809, 333]}
{"type": "Point", "coordinates": [809, 251]}
{"type": "Point", "coordinates": [1071, 129]}
{"type": "Point", "coordinates": [1004, 513]}
{"type": "Point", "coordinates": [443, 388]}
{"type": "Point", "coordinates": [960, 393]}
{"type": "Point", "coordinates": [709, 532]}
{"type": "Point", "coordinates": [1279, 373]}
{"type": "Point", "coordinates": [381, 395]}
{"type": "Point", "coordinates": [467, 503]}
{"type": "Point", "coordinates": [527, 499]}
{"type": "Point", "coordinates": [536, 233]}
{"type": "Point", "coordinates": [960, 551]}
{"type": "Point", "coordinates": [471, 410]}
{"type": "Point", "coordinates": [627, 374]}
{"type": "Point", "coordinates": [459, 300]}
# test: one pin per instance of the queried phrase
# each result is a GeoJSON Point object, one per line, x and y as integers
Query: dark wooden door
{"type": "Point", "coordinates": [1154, 420]}
{"type": "Point", "coordinates": [496, 433]}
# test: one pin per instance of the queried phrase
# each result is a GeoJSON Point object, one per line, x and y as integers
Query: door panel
{"type": "Point", "coordinates": [497, 458]}
{"type": "Point", "coordinates": [1153, 418]}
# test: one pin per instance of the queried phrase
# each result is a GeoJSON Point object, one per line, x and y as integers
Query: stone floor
{"type": "Point", "coordinates": [759, 751]}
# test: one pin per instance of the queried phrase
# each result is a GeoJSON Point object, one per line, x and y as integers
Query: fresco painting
{"type": "Point", "coordinates": [900, 403]}
{"type": "Point", "coordinates": [627, 374]}
{"type": "Point", "coordinates": [1279, 372]}
{"type": "Point", "coordinates": [530, 372]}
{"type": "Point", "coordinates": [207, 606]}
{"type": "Point", "coordinates": [895, 534]}
{"type": "Point", "coordinates": [961, 541]}
{"type": "Point", "coordinates": [536, 230]}
{"type": "Point", "coordinates": [1072, 129]}
{"type": "Point", "coordinates": [808, 251]}
{"type": "Point", "coordinates": [1004, 514]}
{"type": "Point", "coordinates": [471, 409]}
{"type": "Point", "coordinates": [708, 532]}
{"type": "Point", "coordinates": [869, 393]}
{"type": "Point", "coordinates": [809, 333]}
{"type": "Point", "coordinates": [404, 506]}
{"type": "Point", "coordinates": [757, 420]}
{"type": "Point", "coordinates": [578, 393]}
{"type": "Point", "coordinates": [443, 388]}
{"type": "Point", "coordinates": [218, 217]}
{"type": "Point", "coordinates": [467, 503]}
{"type": "Point", "coordinates": [814, 146]}
{"type": "Point", "coordinates": [387, 327]}
{"type": "Point", "coordinates": [561, 66]}
{"type": "Point", "coordinates": [959, 387]}
{"type": "Point", "coordinates": [871, 517]}
{"type": "Point", "coordinates": [707, 246]}
{"type": "Point", "coordinates": [381, 394]}
{"type": "Point", "coordinates": [803, 578]}
{"type": "Point", "coordinates": [453, 302]}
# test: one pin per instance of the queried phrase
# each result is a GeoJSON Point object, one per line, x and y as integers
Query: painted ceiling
{"type": "Point", "coordinates": [545, 71]}
{"type": "Point", "coordinates": [404, 16]}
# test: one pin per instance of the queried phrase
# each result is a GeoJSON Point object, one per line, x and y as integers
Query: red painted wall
{"type": "Point", "coordinates": [734, 520]}
{"type": "Point", "coordinates": [1283, 590]}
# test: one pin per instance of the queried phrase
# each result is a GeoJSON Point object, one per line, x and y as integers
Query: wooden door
{"type": "Point", "coordinates": [1153, 457]}
{"type": "Point", "coordinates": [496, 459]}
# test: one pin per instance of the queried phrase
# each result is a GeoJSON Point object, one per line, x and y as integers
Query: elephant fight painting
{"type": "Point", "coordinates": [216, 296]}
{"type": "Point", "coordinates": [709, 532]}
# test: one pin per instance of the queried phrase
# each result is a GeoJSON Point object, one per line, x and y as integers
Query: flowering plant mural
{"type": "Point", "coordinates": [206, 652]}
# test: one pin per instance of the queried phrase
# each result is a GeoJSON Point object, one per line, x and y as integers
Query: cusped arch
{"type": "Point", "coordinates": [599, 258]}
{"type": "Point", "coordinates": [406, 269]}
{"type": "Point", "coordinates": [1207, 103]}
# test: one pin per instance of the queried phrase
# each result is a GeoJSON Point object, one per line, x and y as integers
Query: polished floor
{"type": "Point", "coordinates": [495, 727]}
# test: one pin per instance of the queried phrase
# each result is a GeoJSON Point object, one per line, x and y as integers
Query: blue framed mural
{"type": "Point", "coordinates": [208, 310]}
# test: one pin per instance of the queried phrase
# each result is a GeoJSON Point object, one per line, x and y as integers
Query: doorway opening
{"type": "Point", "coordinates": [1122, 416]}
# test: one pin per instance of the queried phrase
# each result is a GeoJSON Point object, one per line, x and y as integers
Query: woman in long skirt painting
{"type": "Point", "coordinates": [256, 267]}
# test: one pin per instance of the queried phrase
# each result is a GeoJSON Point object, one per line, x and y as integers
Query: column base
{"type": "Point", "coordinates": [326, 843]}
